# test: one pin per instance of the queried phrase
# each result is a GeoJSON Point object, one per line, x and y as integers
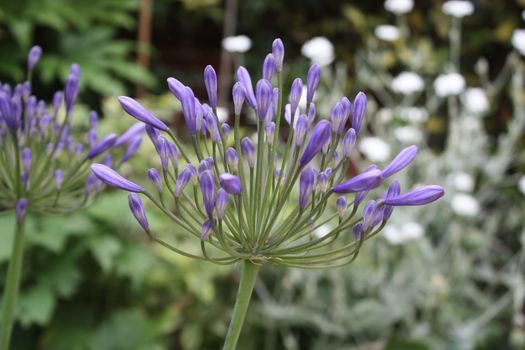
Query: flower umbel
{"type": "Point", "coordinates": [262, 199]}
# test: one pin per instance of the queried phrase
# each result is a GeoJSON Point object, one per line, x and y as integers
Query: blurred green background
{"type": "Point", "coordinates": [93, 281]}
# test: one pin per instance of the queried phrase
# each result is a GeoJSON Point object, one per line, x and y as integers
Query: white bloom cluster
{"type": "Point", "coordinates": [518, 40]}
{"type": "Point", "coordinates": [463, 182]}
{"type": "Point", "coordinates": [374, 148]}
{"type": "Point", "coordinates": [407, 83]}
{"type": "Point", "coordinates": [449, 84]}
{"type": "Point", "coordinates": [465, 205]}
{"type": "Point", "coordinates": [238, 43]}
{"type": "Point", "coordinates": [409, 231]}
{"type": "Point", "coordinates": [521, 184]}
{"type": "Point", "coordinates": [475, 100]}
{"type": "Point", "coordinates": [319, 50]}
{"type": "Point", "coordinates": [458, 8]}
{"type": "Point", "coordinates": [399, 7]}
{"type": "Point", "coordinates": [408, 134]}
{"type": "Point", "coordinates": [413, 114]}
{"type": "Point", "coordinates": [387, 32]}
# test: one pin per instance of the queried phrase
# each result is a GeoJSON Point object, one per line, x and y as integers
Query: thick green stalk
{"type": "Point", "coordinates": [248, 278]}
{"type": "Point", "coordinates": [11, 286]}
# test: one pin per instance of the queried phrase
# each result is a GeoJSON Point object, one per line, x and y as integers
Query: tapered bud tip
{"type": "Point", "coordinates": [420, 196]}
{"type": "Point", "coordinates": [306, 186]}
{"type": "Point", "coordinates": [155, 178]}
{"type": "Point", "coordinates": [230, 183]}
{"type": "Point", "coordinates": [348, 142]}
{"type": "Point", "coordinates": [268, 67]}
{"type": "Point", "coordinates": [312, 81]}
{"type": "Point", "coordinates": [21, 208]}
{"type": "Point", "coordinates": [359, 111]}
{"type": "Point", "coordinates": [278, 53]}
{"type": "Point", "coordinates": [101, 147]}
{"type": "Point", "coordinates": [34, 56]}
{"type": "Point", "coordinates": [248, 150]}
{"type": "Point", "coordinates": [207, 229]}
{"type": "Point", "coordinates": [264, 96]}
{"type": "Point", "coordinates": [362, 182]}
{"type": "Point", "coordinates": [207, 185]}
{"type": "Point", "coordinates": [321, 134]}
{"type": "Point", "coordinates": [210, 80]}
{"type": "Point", "coordinates": [139, 112]}
{"type": "Point", "coordinates": [296, 92]}
{"type": "Point", "coordinates": [114, 179]}
{"type": "Point", "coordinates": [401, 161]}
{"type": "Point", "coordinates": [177, 88]}
{"type": "Point", "coordinates": [246, 81]}
{"type": "Point", "coordinates": [137, 209]}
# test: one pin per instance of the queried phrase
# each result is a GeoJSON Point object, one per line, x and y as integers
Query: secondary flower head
{"type": "Point", "coordinates": [237, 44]}
{"type": "Point", "coordinates": [407, 83]}
{"type": "Point", "coordinates": [263, 196]}
{"type": "Point", "coordinates": [458, 8]}
{"type": "Point", "coordinates": [449, 84]}
{"type": "Point", "coordinates": [399, 7]}
{"type": "Point", "coordinates": [46, 155]}
{"type": "Point", "coordinates": [319, 50]}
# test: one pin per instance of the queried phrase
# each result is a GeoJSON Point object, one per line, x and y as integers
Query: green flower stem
{"type": "Point", "coordinates": [248, 278]}
{"type": "Point", "coordinates": [11, 287]}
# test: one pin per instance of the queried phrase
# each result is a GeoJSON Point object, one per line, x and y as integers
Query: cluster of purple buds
{"type": "Point", "coordinates": [263, 199]}
{"type": "Point", "coordinates": [43, 167]}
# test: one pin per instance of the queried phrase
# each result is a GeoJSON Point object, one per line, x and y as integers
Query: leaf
{"type": "Point", "coordinates": [36, 306]}
{"type": "Point", "coordinates": [104, 250]}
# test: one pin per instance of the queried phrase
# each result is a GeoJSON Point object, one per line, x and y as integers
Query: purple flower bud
{"type": "Point", "coordinates": [348, 142]}
{"type": "Point", "coordinates": [295, 94]}
{"type": "Point", "coordinates": [322, 180]}
{"type": "Point", "coordinates": [21, 208]}
{"type": "Point", "coordinates": [137, 111]}
{"type": "Point", "coordinates": [401, 161]}
{"type": "Point", "coordinates": [278, 54]}
{"type": "Point", "coordinates": [8, 113]}
{"type": "Point", "coordinates": [238, 94]}
{"type": "Point", "coordinates": [347, 108]}
{"type": "Point", "coordinates": [207, 185]}
{"type": "Point", "coordinates": [275, 101]}
{"type": "Point", "coordinates": [71, 89]}
{"type": "Point", "coordinates": [226, 130]}
{"type": "Point", "coordinates": [57, 101]}
{"type": "Point", "coordinates": [288, 115]}
{"type": "Point", "coordinates": [248, 150]}
{"type": "Point", "coordinates": [211, 123]}
{"type": "Point", "coordinates": [75, 69]}
{"type": "Point", "coordinates": [132, 149]}
{"type": "Point", "coordinates": [210, 80]}
{"type": "Point", "coordinates": [135, 130]}
{"type": "Point", "coordinates": [311, 113]}
{"type": "Point", "coordinates": [393, 191]}
{"type": "Point", "coordinates": [320, 135]}
{"type": "Point", "coordinates": [114, 179]}
{"type": "Point", "coordinates": [371, 215]}
{"type": "Point", "coordinates": [137, 209]}
{"type": "Point", "coordinates": [33, 57]}
{"type": "Point", "coordinates": [153, 135]}
{"type": "Point", "coordinates": [244, 78]}
{"type": "Point", "coordinates": [357, 231]}
{"type": "Point", "coordinates": [207, 230]}
{"type": "Point", "coordinates": [222, 203]}
{"type": "Point", "coordinates": [306, 186]}
{"type": "Point", "coordinates": [264, 94]}
{"type": "Point", "coordinates": [188, 110]}
{"type": "Point", "coordinates": [362, 182]}
{"type": "Point", "coordinates": [232, 158]}
{"type": "Point", "coordinates": [342, 204]}
{"type": "Point", "coordinates": [301, 128]}
{"type": "Point", "coordinates": [162, 150]}
{"type": "Point", "coordinates": [185, 176]}
{"type": "Point", "coordinates": [268, 67]}
{"type": "Point", "coordinates": [231, 183]}
{"type": "Point", "coordinates": [173, 154]}
{"type": "Point", "coordinates": [26, 160]}
{"type": "Point", "coordinates": [59, 178]}
{"type": "Point", "coordinates": [177, 88]}
{"type": "Point", "coordinates": [155, 178]}
{"type": "Point", "coordinates": [358, 112]}
{"type": "Point", "coordinates": [312, 81]}
{"type": "Point", "coordinates": [269, 129]}
{"type": "Point", "coordinates": [203, 166]}
{"type": "Point", "coordinates": [91, 184]}
{"type": "Point", "coordinates": [101, 147]}
{"type": "Point", "coordinates": [420, 196]}
{"type": "Point", "coordinates": [210, 161]}
{"type": "Point", "coordinates": [337, 117]}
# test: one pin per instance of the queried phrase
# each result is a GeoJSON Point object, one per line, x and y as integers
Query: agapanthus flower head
{"type": "Point", "coordinates": [46, 160]}
{"type": "Point", "coordinates": [261, 196]}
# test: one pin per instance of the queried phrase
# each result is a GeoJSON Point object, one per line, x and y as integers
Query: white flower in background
{"type": "Point", "coordinates": [222, 114]}
{"type": "Point", "coordinates": [463, 182]}
{"type": "Point", "coordinates": [319, 50]}
{"type": "Point", "coordinates": [302, 101]}
{"type": "Point", "coordinates": [375, 149]}
{"type": "Point", "coordinates": [408, 134]}
{"type": "Point", "coordinates": [385, 115]}
{"type": "Point", "coordinates": [387, 32]}
{"type": "Point", "coordinates": [518, 40]}
{"type": "Point", "coordinates": [449, 84]}
{"type": "Point", "coordinates": [475, 100]}
{"type": "Point", "coordinates": [238, 43]}
{"type": "Point", "coordinates": [413, 114]}
{"type": "Point", "coordinates": [465, 205]}
{"type": "Point", "coordinates": [458, 8]}
{"type": "Point", "coordinates": [407, 83]}
{"type": "Point", "coordinates": [409, 231]}
{"type": "Point", "coordinates": [521, 184]}
{"type": "Point", "coordinates": [399, 7]}
{"type": "Point", "coordinates": [323, 230]}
